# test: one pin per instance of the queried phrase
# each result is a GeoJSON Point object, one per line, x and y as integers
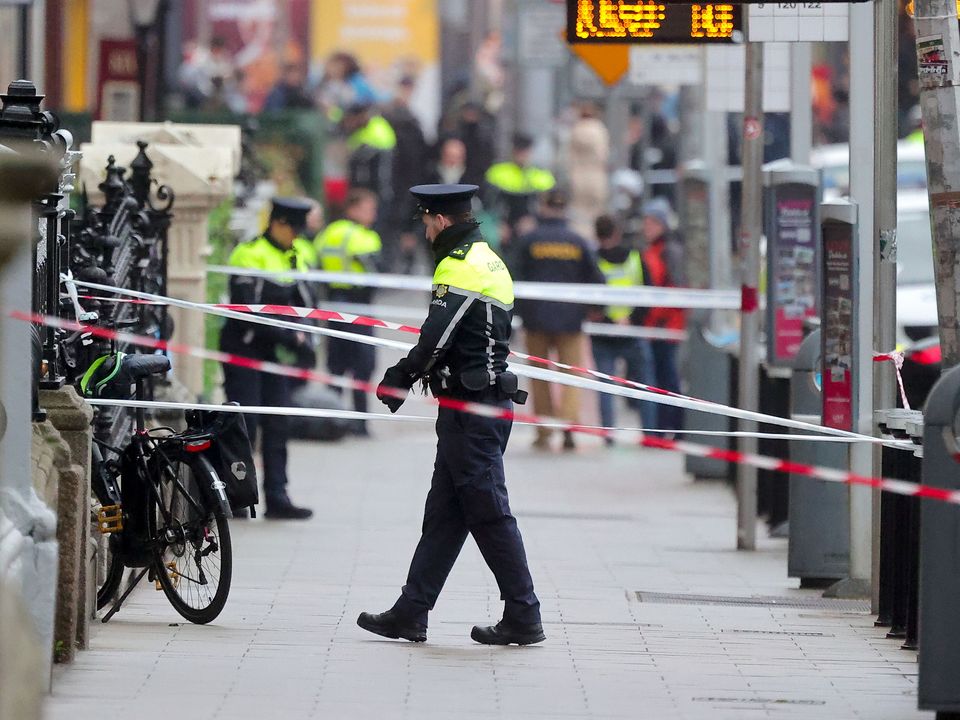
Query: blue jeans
{"type": "Point", "coordinates": [635, 352]}
{"type": "Point", "coordinates": [667, 371]}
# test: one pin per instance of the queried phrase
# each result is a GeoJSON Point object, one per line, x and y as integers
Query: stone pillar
{"type": "Point", "coordinates": [198, 163]}
{"type": "Point", "coordinates": [51, 467]}
{"type": "Point", "coordinates": [187, 280]}
{"type": "Point", "coordinates": [71, 417]}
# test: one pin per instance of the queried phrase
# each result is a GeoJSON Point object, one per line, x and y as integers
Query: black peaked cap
{"type": "Point", "coordinates": [292, 210]}
{"type": "Point", "coordinates": [443, 199]}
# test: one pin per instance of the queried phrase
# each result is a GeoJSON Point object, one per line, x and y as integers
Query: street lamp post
{"type": "Point", "coordinates": [148, 18]}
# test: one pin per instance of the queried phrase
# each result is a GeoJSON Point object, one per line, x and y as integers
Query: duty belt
{"type": "Point", "coordinates": [505, 386]}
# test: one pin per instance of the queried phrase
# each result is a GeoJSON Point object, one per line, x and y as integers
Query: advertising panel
{"type": "Point", "coordinates": [792, 234]}
{"type": "Point", "coordinates": [839, 264]}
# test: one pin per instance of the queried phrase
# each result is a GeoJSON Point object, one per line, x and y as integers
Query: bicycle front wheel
{"type": "Point", "coordinates": [111, 568]}
{"type": "Point", "coordinates": [193, 552]}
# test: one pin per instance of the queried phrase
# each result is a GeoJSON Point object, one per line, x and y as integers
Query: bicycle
{"type": "Point", "coordinates": [163, 504]}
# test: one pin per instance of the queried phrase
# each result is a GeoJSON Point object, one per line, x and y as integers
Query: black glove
{"type": "Point", "coordinates": [393, 379]}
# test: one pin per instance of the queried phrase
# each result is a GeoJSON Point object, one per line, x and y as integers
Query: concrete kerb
{"type": "Point", "coordinates": [71, 417]}
{"type": "Point", "coordinates": [62, 452]}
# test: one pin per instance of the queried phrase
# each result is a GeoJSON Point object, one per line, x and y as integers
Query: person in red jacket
{"type": "Point", "coordinates": [663, 260]}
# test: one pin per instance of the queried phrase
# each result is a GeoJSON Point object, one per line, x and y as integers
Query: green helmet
{"type": "Point", "coordinates": [96, 380]}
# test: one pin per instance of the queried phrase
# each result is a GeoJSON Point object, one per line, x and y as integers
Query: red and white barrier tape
{"type": "Point", "coordinates": [576, 377]}
{"type": "Point", "coordinates": [353, 384]}
{"type": "Point", "coordinates": [474, 408]}
{"type": "Point", "coordinates": [769, 463]}
{"type": "Point", "coordinates": [589, 294]}
{"type": "Point", "coordinates": [899, 487]}
{"type": "Point", "coordinates": [400, 312]}
{"type": "Point", "coordinates": [896, 357]}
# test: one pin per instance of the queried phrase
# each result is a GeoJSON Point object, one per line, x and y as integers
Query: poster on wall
{"type": "Point", "coordinates": [239, 55]}
{"type": "Point", "coordinates": [118, 81]}
{"type": "Point", "coordinates": [386, 40]}
{"type": "Point", "coordinates": [792, 287]}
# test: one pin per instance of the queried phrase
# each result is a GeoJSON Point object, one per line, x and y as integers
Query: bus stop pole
{"type": "Point", "coordinates": [862, 189]}
{"type": "Point", "coordinates": [801, 103]}
{"type": "Point", "coordinates": [885, 231]}
{"type": "Point", "coordinates": [751, 227]}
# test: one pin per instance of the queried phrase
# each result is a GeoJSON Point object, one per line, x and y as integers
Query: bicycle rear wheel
{"type": "Point", "coordinates": [193, 552]}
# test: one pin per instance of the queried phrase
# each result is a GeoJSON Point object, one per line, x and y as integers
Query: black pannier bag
{"type": "Point", "coordinates": [230, 454]}
{"type": "Point", "coordinates": [134, 545]}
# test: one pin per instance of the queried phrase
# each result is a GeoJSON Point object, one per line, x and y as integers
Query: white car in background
{"type": "Point", "coordinates": [916, 294]}
{"type": "Point", "coordinates": [834, 161]}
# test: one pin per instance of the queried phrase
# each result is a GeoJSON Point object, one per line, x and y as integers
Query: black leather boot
{"type": "Point", "coordinates": [507, 633]}
{"type": "Point", "coordinates": [390, 625]}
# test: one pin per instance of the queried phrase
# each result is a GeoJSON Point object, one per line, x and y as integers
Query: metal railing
{"type": "Point", "coordinates": [122, 243]}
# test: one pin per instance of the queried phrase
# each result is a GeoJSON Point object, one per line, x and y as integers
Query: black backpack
{"type": "Point", "coordinates": [230, 454]}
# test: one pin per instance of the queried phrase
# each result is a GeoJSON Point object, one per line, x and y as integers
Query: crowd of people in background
{"type": "Point", "coordinates": [588, 227]}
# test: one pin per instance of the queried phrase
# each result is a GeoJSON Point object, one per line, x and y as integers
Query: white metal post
{"type": "Point", "coordinates": [885, 234]}
{"type": "Point", "coordinates": [801, 103]}
{"type": "Point", "coordinates": [862, 117]}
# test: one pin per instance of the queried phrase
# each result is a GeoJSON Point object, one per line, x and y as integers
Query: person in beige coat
{"type": "Point", "coordinates": [587, 157]}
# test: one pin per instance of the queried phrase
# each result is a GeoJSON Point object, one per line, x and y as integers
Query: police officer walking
{"type": "Point", "coordinates": [462, 354]}
{"type": "Point", "coordinates": [280, 248]}
{"type": "Point", "coordinates": [350, 245]}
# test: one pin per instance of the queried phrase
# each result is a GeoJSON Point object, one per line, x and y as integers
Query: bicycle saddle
{"type": "Point", "coordinates": [110, 376]}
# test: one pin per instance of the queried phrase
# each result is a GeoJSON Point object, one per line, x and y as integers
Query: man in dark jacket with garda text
{"type": "Point", "coordinates": [554, 253]}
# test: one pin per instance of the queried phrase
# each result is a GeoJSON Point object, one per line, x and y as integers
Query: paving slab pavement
{"type": "Point", "coordinates": [600, 525]}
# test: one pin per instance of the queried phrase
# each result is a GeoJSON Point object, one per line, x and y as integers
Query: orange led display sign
{"type": "Point", "coordinates": [622, 21]}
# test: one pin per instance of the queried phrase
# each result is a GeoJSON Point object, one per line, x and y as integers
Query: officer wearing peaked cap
{"type": "Point", "coordinates": [279, 249]}
{"type": "Point", "coordinates": [462, 354]}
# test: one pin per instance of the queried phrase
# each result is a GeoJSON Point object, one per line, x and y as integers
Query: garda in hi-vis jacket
{"type": "Point", "coordinates": [513, 189]}
{"type": "Point", "coordinates": [348, 246]}
{"type": "Point", "coordinates": [463, 343]}
{"type": "Point", "coordinates": [626, 273]}
{"type": "Point", "coordinates": [370, 164]}
{"type": "Point", "coordinates": [262, 341]}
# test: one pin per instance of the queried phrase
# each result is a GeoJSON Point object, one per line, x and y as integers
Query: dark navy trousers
{"type": "Point", "coordinates": [345, 357]}
{"type": "Point", "coordinates": [468, 494]}
{"type": "Point", "coordinates": [250, 387]}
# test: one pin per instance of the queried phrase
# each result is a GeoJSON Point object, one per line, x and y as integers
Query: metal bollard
{"type": "Point", "coordinates": [818, 552]}
{"type": "Point", "coordinates": [774, 492]}
{"type": "Point", "coordinates": [898, 527]}
{"type": "Point", "coordinates": [940, 553]}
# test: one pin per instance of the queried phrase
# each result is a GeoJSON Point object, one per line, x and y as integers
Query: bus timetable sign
{"type": "Point", "coordinates": [617, 21]}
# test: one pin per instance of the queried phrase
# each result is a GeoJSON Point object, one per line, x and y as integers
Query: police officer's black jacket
{"type": "Point", "coordinates": [464, 341]}
{"type": "Point", "coordinates": [256, 340]}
